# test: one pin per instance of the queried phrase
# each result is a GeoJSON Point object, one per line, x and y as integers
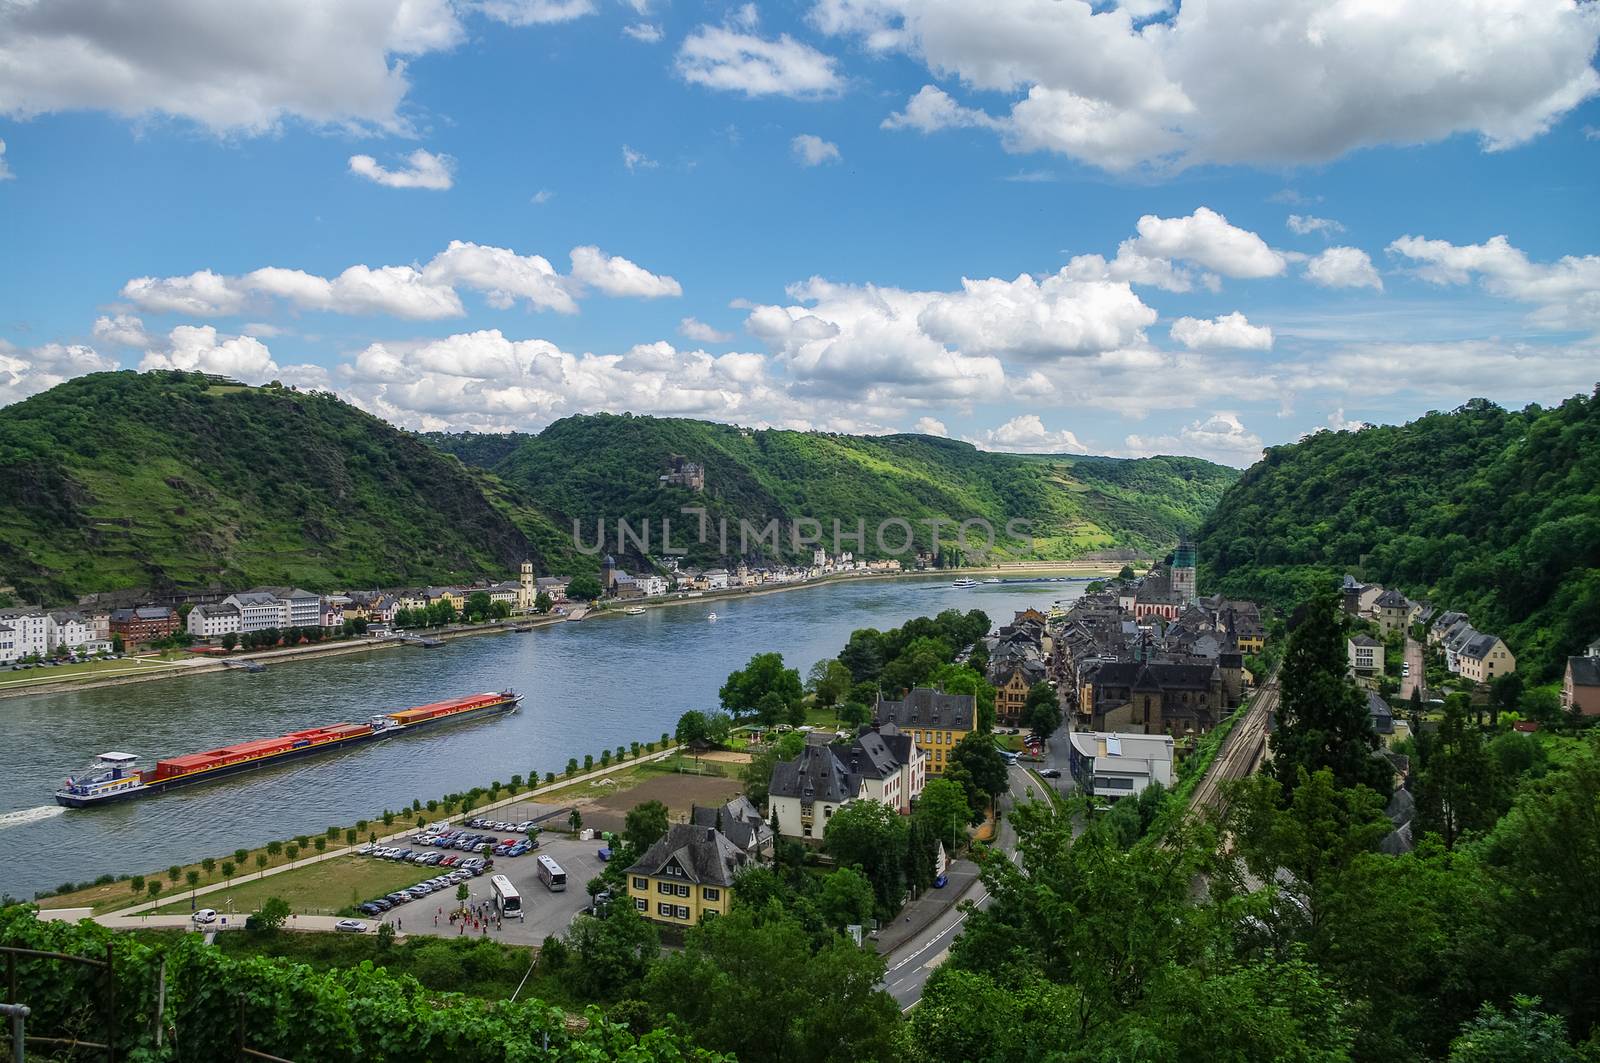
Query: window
{"type": "Point", "coordinates": [681, 912]}
{"type": "Point", "coordinates": [641, 904]}
{"type": "Point", "coordinates": [709, 913]}
{"type": "Point", "coordinates": [641, 883]}
{"type": "Point", "coordinates": [682, 891]}
{"type": "Point", "coordinates": [712, 894]}
{"type": "Point", "coordinates": [665, 910]}
{"type": "Point", "coordinates": [664, 887]}
{"type": "Point", "coordinates": [806, 830]}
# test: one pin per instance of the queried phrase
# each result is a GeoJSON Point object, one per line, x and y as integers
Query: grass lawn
{"type": "Point", "coordinates": [319, 889]}
{"type": "Point", "coordinates": [687, 765]}
{"type": "Point", "coordinates": [87, 670]}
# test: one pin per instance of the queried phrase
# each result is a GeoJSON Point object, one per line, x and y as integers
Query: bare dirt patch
{"type": "Point", "coordinates": [677, 792]}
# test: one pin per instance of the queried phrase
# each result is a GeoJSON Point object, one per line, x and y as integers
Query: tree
{"type": "Point", "coordinates": [136, 883]}
{"type": "Point", "coordinates": [692, 727]}
{"type": "Point", "coordinates": [153, 887]}
{"type": "Point", "coordinates": [846, 899]}
{"type": "Point", "coordinates": [752, 984]}
{"type": "Point", "coordinates": [1459, 789]}
{"type": "Point", "coordinates": [1125, 573]}
{"type": "Point", "coordinates": [943, 809]}
{"type": "Point", "coordinates": [1041, 712]}
{"type": "Point", "coordinates": [863, 655]}
{"type": "Point", "coordinates": [274, 848]}
{"type": "Point", "coordinates": [572, 765]}
{"type": "Point", "coordinates": [1525, 1035]}
{"type": "Point", "coordinates": [463, 894]}
{"type": "Point", "coordinates": [499, 610]}
{"type": "Point", "coordinates": [963, 679]}
{"type": "Point", "coordinates": [719, 728]}
{"type": "Point", "coordinates": [871, 836]}
{"type": "Point", "coordinates": [976, 754]}
{"type": "Point", "coordinates": [209, 864]}
{"type": "Point", "coordinates": [478, 605]}
{"type": "Point", "coordinates": [117, 645]}
{"type": "Point", "coordinates": [542, 603]}
{"type": "Point", "coordinates": [583, 588]}
{"type": "Point", "coordinates": [174, 873]}
{"type": "Point", "coordinates": [292, 850]}
{"type": "Point", "coordinates": [386, 935]}
{"type": "Point", "coordinates": [193, 878]}
{"type": "Point", "coordinates": [229, 640]}
{"type": "Point", "coordinates": [916, 663]}
{"type": "Point", "coordinates": [854, 715]}
{"type": "Point", "coordinates": [614, 952]}
{"type": "Point", "coordinates": [261, 863]}
{"type": "Point", "coordinates": [575, 821]}
{"type": "Point", "coordinates": [645, 824]}
{"type": "Point", "coordinates": [1505, 694]}
{"type": "Point", "coordinates": [763, 687]}
{"type": "Point", "coordinates": [828, 682]}
{"type": "Point", "coordinates": [1322, 716]}
{"type": "Point", "coordinates": [228, 868]}
{"type": "Point", "coordinates": [273, 914]}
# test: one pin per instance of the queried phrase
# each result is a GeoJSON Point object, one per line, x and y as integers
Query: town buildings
{"type": "Point", "coordinates": [144, 623]}
{"type": "Point", "coordinates": [213, 621]}
{"type": "Point", "coordinates": [1484, 658]}
{"type": "Point", "coordinates": [1580, 684]}
{"type": "Point", "coordinates": [1114, 766]}
{"type": "Point", "coordinates": [935, 720]}
{"type": "Point", "coordinates": [882, 764]}
{"type": "Point", "coordinates": [1366, 655]}
{"type": "Point", "coordinates": [686, 876]}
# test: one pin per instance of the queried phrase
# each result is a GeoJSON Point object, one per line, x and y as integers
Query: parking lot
{"type": "Point", "coordinates": [545, 913]}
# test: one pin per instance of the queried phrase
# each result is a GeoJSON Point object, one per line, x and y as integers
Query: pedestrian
{"type": "Point", "coordinates": [435, 920]}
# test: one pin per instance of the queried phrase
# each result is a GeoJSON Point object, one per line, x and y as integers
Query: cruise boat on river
{"type": "Point", "coordinates": [965, 582]}
{"type": "Point", "coordinates": [116, 776]}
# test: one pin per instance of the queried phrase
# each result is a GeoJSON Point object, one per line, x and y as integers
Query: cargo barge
{"type": "Point", "coordinates": [116, 776]}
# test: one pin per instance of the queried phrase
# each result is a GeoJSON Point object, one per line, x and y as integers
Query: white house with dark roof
{"type": "Point", "coordinates": [30, 632]}
{"type": "Point", "coordinates": [806, 792]}
{"type": "Point", "coordinates": [1485, 658]}
{"type": "Point", "coordinates": [213, 621]}
{"type": "Point", "coordinates": [258, 610]}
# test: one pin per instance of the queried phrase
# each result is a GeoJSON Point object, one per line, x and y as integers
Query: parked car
{"type": "Point", "coordinates": [205, 915]}
{"type": "Point", "coordinates": [369, 908]}
{"type": "Point", "coordinates": [1050, 773]}
{"type": "Point", "coordinates": [941, 882]}
{"type": "Point", "coordinates": [351, 926]}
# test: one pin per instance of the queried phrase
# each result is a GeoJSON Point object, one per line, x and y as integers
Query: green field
{"type": "Point", "coordinates": [27, 677]}
{"type": "Point", "coordinates": [325, 888]}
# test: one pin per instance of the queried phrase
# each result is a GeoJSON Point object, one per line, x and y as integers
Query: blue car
{"type": "Point", "coordinates": [941, 882]}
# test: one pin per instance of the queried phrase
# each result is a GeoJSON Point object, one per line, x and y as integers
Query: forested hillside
{"type": "Point", "coordinates": [609, 466]}
{"type": "Point", "coordinates": [1491, 511]}
{"type": "Point", "coordinates": [179, 480]}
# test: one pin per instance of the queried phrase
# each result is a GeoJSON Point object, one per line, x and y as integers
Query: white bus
{"type": "Point", "coordinates": [550, 873]}
{"type": "Point", "coordinates": [506, 897]}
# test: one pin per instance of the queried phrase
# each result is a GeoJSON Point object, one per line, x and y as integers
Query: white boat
{"type": "Point", "coordinates": [992, 579]}
{"type": "Point", "coordinates": [965, 582]}
{"type": "Point", "coordinates": [634, 610]}
{"type": "Point", "coordinates": [711, 616]}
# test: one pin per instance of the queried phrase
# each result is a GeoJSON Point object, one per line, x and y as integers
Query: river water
{"type": "Point", "coordinates": [587, 686]}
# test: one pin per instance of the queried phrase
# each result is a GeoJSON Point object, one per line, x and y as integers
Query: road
{"type": "Point", "coordinates": [1418, 676]}
{"type": "Point", "coordinates": [911, 963]}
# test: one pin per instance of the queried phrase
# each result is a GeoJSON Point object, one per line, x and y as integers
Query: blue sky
{"type": "Point", "coordinates": [1033, 224]}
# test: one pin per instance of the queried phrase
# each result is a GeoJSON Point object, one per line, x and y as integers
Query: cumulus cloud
{"type": "Point", "coordinates": [813, 150]}
{"type": "Point", "coordinates": [1028, 318]}
{"type": "Point", "coordinates": [648, 32]}
{"type": "Point", "coordinates": [1026, 433]}
{"type": "Point", "coordinates": [5, 171]}
{"type": "Point", "coordinates": [701, 332]}
{"type": "Point", "coordinates": [199, 347]}
{"type": "Point", "coordinates": [1566, 293]}
{"type": "Point", "coordinates": [420, 294]}
{"type": "Point", "coordinates": [535, 12]}
{"type": "Point", "coordinates": [1306, 224]}
{"type": "Point", "coordinates": [423, 169]}
{"type": "Point", "coordinates": [1222, 437]}
{"type": "Point", "coordinates": [725, 59]}
{"type": "Point", "coordinates": [1229, 331]}
{"type": "Point", "coordinates": [930, 426]}
{"type": "Point", "coordinates": [1255, 81]}
{"type": "Point", "coordinates": [28, 371]}
{"type": "Point", "coordinates": [541, 197]}
{"type": "Point", "coordinates": [243, 68]}
{"type": "Point", "coordinates": [615, 275]}
{"type": "Point", "coordinates": [637, 160]}
{"type": "Point", "coordinates": [124, 330]}
{"type": "Point", "coordinates": [1343, 267]}
{"type": "Point", "coordinates": [1207, 239]}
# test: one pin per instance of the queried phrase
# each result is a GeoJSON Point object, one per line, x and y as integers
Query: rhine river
{"type": "Point", "coordinates": [587, 686]}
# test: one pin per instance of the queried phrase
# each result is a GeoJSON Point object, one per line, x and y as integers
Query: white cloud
{"type": "Point", "coordinates": [124, 330]}
{"type": "Point", "coordinates": [423, 170]}
{"type": "Point", "coordinates": [615, 275]}
{"type": "Point", "coordinates": [1566, 292]}
{"type": "Point", "coordinates": [25, 372]}
{"type": "Point", "coordinates": [1445, 374]}
{"type": "Point", "coordinates": [1343, 267]}
{"type": "Point", "coordinates": [1258, 81]}
{"type": "Point", "coordinates": [535, 12]}
{"type": "Point", "coordinates": [701, 332]}
{"type": "Point", "coordinates": [648, 32]}
{"type": "Point", "coordinates": [1207, 239]}
{"type": "Point", "coordinates": [1028, 318]}
{"type": "Point", "coordinates": [730, 61]}
{"type": "Point", "coordinates": [1132, 267]}
{"type": "Point", "coordinates": [5, 171]}
{"type": "Point", "coordinates": [192, 347]}
{"type": "Point", "coordinates": [933, 109]}
{"type": "Point", "coordinates": [429, 293]}
{"type": "Point", "coordinates": [813, 150]}
{"type": "Point", "coordinates": [1232, 331]}
{"type": "Point", "coordinates": [1338, 423]}
{"type": "Point", "coordinates": [635, 160]}
{"type": "Point", "coordinates": [240, 67]}
{"type": "Point", "coordinates": [930, 426]}
{"type": "Point", "coordinates": [541, 197]}
{"type": "Point", "coordinates": [1306, 224]}
{"type": "Point", "coordinates": [1222, 437]}
{"type": "Point", "coordinates": [1026, 433]}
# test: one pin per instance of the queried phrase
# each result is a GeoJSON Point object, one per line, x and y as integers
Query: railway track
{"type": "Point", "coordinates": [1241, 750]}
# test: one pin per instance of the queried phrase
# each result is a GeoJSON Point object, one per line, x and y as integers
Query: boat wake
{"type": "Point", "coordinates": [30, 815]}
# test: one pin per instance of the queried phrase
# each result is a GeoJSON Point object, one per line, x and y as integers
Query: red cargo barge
{"type": "Point", "coordinates": [116, 777]}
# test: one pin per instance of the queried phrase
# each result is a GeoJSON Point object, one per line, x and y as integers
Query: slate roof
{"type": "Point", "coordinates": [217, 610]}
{"type": "Point", "coordinates": [705, 855]}
{"type": "Point", "coordinates": [815, 775]}
{"type": "Point", "coordinates": [1585, 671]}
{"type": "Point", "coordinates": [1478, 647]}
{"type": "Point", "coordinates": [1382, 715]}
{"type": "Point", "coordinates": [741, 823]}
{"type": "Point", "coordinates": [1138, 675]}
{"type": "Point", "coordinates": [1393, 599]}
{"type": "Point", "coordinates": [1365, 640]}
{"type": "Point", "coordinates": [926, 707]}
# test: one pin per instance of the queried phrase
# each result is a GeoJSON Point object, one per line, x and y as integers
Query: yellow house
{"type": "Point", "coordinates": [937, 721]}
{"type": "Point", "coordinates": [1485, 658]}
{"type": "Point", "coordinates": [454, 595]}
{"type": "Point", "coordinates": [685, 877]}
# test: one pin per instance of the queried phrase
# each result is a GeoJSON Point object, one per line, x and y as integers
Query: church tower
{"type": "Point", "coordinates": [525, 590]}
{"type": "Point", "coordinates": [1183, 564]}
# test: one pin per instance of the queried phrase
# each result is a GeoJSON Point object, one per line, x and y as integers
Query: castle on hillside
{"type": "Point", "coordinates": [681, 472]}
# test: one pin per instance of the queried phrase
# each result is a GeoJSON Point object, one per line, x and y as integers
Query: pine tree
{"type": "Point", "coordinates": [1322, 715]}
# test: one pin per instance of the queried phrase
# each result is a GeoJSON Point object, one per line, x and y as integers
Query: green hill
{"type": "Point", "coordinates": [609, 466]}
{"type": "Point", "coordinates": [180, 480]}
{"type": "Point", "coordinates": [1481, 509]}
